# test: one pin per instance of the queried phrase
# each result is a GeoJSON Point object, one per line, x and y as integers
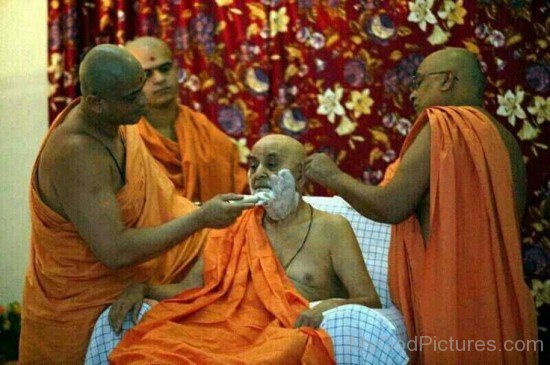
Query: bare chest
{"type": "Point", "coordinates": [308, 265]}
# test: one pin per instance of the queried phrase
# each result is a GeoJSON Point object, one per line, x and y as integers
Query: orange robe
{"type": "Point", "coordinates": [66, 287]}
{"type": "Point", "coordinates": [203, 163]}
{"type": "Point", "coordinates": [244, 313]}
{"type": "Point", "coordinates": [467, 282]}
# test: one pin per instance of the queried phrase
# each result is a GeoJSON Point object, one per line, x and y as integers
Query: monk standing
{"type": "Point", "coordinates": [200, 160]}
{"type": "Point", "coordinates": [455, 202]}
{"type": "Point", "coordinates": [103, 215]}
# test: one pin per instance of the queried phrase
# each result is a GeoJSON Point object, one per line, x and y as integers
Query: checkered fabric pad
{"type": "Point", "coordinates": [360, 335]}
{"type": "Point", "coordinates": [373, 237]}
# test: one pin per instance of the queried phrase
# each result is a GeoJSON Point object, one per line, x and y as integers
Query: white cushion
{"type": "Point", "coordinates": [373, 237]}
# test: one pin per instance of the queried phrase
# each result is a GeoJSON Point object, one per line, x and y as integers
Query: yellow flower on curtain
{"type": "Point", "coordinates": [224, 2]}
{"type": "Point", "coordinates": [438, 36]}
{"type": "Point", "coordinates": [329, 103]}
{"type": "Point", "coordinates": [528, 132]}
{"type": "Point", "coordinates": [244, 151]}
{"type": "Point", "coordinates": [346, 126]}
{"type": "Point", "coordinates": [540, 109]}
{"type": "Point", "coordinates": [278, 21]}
{"type": "Point", "coordinates": [541, 292]}
{"type": "Point", "coordinates": [360, 103]}
{"type": "Point", "coordinates": [454, 12]}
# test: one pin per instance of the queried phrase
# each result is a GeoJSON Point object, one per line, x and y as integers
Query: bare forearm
{"type": "Point", "coordinates": [137, 245]}
{"type": "Point", "coordinates": [369, 201]}
{"type": "Point", "coordinates": [368, 301]}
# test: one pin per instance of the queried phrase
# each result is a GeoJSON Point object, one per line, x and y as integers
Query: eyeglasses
{"type": "Point", "coordinates": [417, 79]}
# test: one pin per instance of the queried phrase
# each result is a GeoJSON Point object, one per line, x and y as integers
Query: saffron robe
{"type": "Point", "coordinates": [202, 163]}
{"type": "Point", "coordinates": [466, 283]}
{"type": "Point", "coordinates": [244, 313]}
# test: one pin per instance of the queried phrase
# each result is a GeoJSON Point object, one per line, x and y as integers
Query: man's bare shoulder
{"type": "Point", "coordinates": [67, 147]}
{"type": "Point", "coordinates": [70, 160]}
{"type": "Point", "coordinates": [334, 226]}
{"type": "Point", "coordinates": [70, 157]}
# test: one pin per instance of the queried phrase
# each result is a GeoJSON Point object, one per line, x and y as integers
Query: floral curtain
{"type": "Point", "coordinates": [335, 74]}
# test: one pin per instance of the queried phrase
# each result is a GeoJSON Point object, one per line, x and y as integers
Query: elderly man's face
{"type": "Point", "coordinates": [266, 159]}
{"type": "Point", "coordinates": [161, 86]}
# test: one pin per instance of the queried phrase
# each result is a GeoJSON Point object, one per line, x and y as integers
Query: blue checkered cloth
{"type": "Point", "coordinates": [373, 237]}
{"type": "Point", "coordinates": [360, 335]}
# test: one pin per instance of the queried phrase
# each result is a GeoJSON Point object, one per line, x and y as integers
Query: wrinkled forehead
{"type": "Point", "coordinates": [272, 149]}
{"type": "Point", "coordinates": [262, 150]}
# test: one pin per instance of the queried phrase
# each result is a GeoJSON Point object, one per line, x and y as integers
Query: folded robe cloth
{"type": "Point", "coordinates": [466, 283]}
{"type": "Point", "coordinates": [244, 313]}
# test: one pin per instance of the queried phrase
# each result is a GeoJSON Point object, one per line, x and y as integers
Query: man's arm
{"type": "Point", "coordinates": [390, 204]}
{"type": "Point", "coordinates": [348, 264]}
{"type": "Point", "coordinates": [85, 188]}
{"type": "Point", "coordinates": [132, 298]}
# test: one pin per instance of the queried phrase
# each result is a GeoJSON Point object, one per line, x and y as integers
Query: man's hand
{"type": "Point", "coordinates": [310, 318]}
{"type": "Point", "coordinates": [218, 212]}
{"type": "Point", "coordinates": [130, 300]}
{"type": "Point", "coordinates": [321, 169]}
{"type": "Point", "coordinates": [314, 316]}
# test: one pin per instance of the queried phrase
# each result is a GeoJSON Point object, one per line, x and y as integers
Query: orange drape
{"type": "Point", "coordinates": [204, 162]}
{"type": "Point", "coordinates": [467, 282]}
{"type": "Point", "coordinates": [244, 314]}
{"type": "Point", "coordinates": [66, 287]}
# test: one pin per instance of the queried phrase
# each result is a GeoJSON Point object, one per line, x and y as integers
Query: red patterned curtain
{"type": "Point", "coordinates": [334, 74]}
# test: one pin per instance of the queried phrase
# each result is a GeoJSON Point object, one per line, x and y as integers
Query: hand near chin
{"type": "Point", "coordinates": [224, 209]}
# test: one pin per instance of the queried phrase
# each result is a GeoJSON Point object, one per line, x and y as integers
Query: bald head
{"type": "Point", "coordinates": [452, 76]}
{"type": "Point", "coordinates": [288, 146]}
{"type": "Point", "coordinates": [464, 65]}
{"type": "Point", "coordinates": [158, 46]}
{"type": "Point", "coordinates": [106, 70]}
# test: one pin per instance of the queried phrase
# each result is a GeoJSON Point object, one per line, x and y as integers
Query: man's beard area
{"type": "Point", "coordinates": [281, 199]}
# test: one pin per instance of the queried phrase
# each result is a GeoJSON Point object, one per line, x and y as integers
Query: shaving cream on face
{"type": "Point", "coordinates": [285, 197]}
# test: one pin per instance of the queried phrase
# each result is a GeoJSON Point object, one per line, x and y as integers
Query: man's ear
{"type": "Point", "coordinates": [448, 81]}
{"type": "Point", "coordinates": [94, 103]}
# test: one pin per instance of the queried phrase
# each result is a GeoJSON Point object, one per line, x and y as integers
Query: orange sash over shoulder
{"type": "Point", "coordinates": [463, 294]}
{"type": "Point", "coordinates": [244, 313]}
{"type": "Point", "coordinates": [203, 163]}
{"type": "Point", "coordinates": [66, 287]}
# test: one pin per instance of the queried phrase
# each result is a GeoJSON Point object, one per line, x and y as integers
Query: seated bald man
{"type": "Point", "coordinates": [200, 160]}
{"type": "Point", "coordinates": [455, 198]}
{"type": "Point", "coordinates": [103, 214]}
{"type": "Point", "coordinates": [283, 256]}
